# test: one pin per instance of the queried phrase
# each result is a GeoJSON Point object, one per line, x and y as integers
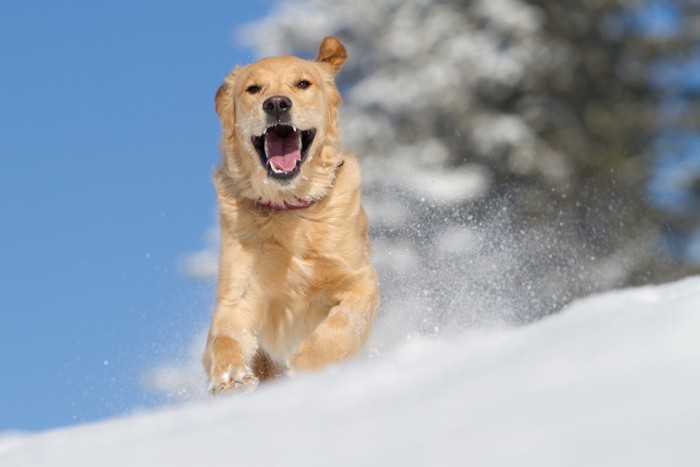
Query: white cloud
{"type": "Point", "coordinates": [203, 263]}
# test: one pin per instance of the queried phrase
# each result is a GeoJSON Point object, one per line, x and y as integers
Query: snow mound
{"type": "Point", "coordinates": [613, 379]}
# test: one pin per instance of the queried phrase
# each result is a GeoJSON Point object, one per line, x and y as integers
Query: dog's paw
{"type": "Point", "coordinates": [233, 379]}
{"type": "Point", "coordinates": [315, 352]}
{"type": "Point", "coordinates": [226, 366]}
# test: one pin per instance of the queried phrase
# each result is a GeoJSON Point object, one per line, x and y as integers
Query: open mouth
{"type": "Point", "coordinates": [282, 149]}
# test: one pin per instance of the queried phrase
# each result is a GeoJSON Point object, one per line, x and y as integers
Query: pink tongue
{"type": "Point", "coordinates": [284, 153]}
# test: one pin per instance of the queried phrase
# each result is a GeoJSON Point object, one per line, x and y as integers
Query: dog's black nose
{"type": "Point", "coordinates": [277, 106]}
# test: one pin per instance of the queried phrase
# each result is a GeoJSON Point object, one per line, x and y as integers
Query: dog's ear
{"type": "Point", "coordinates": [224, 102]}
{"type": "Point", "coordinates": [333, 53]}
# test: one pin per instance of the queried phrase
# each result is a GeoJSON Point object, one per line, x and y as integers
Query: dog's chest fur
{"type": "Point", "coordinates": [297, 297]}
{"type": "Point", "coordinates": [301, 260]}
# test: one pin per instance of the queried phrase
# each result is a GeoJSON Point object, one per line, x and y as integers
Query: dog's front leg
{"type": "Point", "coordinates": [232, 340]}
{"type": "Point", "coordinates": [341, 334]}
{"type": "Point", "coordinates": [230, 348]}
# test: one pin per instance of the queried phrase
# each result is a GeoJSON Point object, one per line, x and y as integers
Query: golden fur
{"type": "Point", "coordinates": [296, 288]}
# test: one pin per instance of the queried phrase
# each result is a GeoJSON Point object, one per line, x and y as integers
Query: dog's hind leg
{"type": "Point", "coordinates": [264, 368]}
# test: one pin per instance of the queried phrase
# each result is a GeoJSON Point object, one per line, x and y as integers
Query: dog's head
{"type": "Point", "coordinates": [279, 116]}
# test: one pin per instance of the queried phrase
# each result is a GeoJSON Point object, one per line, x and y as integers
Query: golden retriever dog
{"type": "Point", "coordinates": [296, 289]}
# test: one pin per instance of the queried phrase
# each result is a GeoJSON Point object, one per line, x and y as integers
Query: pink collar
{"type": "Point", "coordinates": [300, 204]}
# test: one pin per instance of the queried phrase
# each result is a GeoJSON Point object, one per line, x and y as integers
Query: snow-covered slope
{"type": "Point", "coordinates": [613, 380]}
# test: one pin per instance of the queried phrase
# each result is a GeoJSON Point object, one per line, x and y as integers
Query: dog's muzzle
{"type": "Point", "coordinates": [283, 147]}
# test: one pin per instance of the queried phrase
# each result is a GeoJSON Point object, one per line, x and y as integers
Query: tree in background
{"type": "Point", "coordinates": [506, 146]}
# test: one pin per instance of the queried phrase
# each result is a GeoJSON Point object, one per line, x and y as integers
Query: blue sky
{"type": "Point", "coordinates": [108, 138]}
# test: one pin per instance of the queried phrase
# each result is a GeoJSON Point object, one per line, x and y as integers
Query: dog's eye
{"type": "Point", "coordinates": [303, 84]}
{"type": "Point", "coordinates": [253, 89]}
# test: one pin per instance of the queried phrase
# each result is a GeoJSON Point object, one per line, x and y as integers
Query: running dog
{"type": "Point", "coordinates": [296, 288]}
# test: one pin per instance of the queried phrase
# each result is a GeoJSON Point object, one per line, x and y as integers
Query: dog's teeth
{"type": "Point", "coordinates": [275, 169]}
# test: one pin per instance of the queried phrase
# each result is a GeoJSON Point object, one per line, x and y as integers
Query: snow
{"type": "Point", "coordinates": [612, 380]}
